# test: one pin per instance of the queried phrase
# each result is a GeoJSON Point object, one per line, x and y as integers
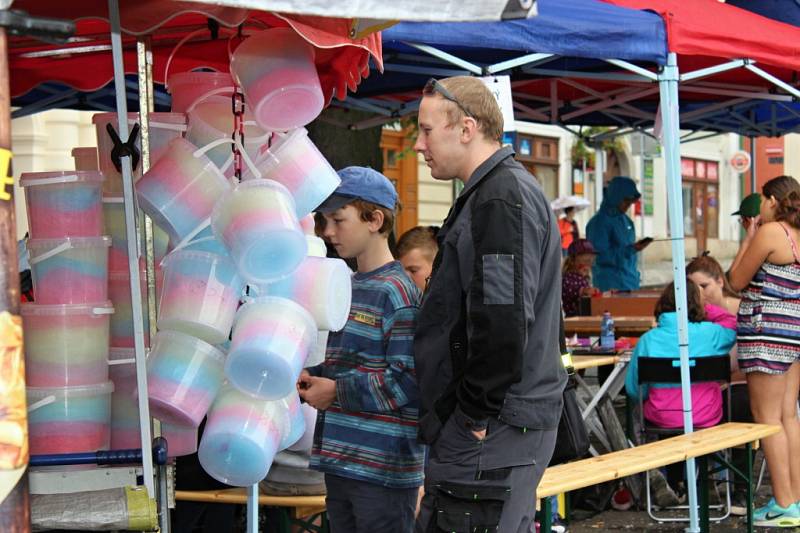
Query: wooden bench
{"type": "Point", "coordinates": [304, 509]}
{"type": "Point", "coordinates": [617, 465]}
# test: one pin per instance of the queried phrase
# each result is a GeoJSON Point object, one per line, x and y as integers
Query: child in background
{"type": "Point", "coordinates": [576, 279]}
{"type": "Point", "coordinates": [365, 392]}
{"type": "Point", "coordinates": [416, 250]}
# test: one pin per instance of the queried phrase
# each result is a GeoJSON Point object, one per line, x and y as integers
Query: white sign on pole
{"type": "Point", "coordinates": [740, 161]}
{"type": "Point", "coordinates": [500, 86]}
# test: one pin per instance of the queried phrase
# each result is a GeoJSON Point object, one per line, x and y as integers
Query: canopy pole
{"type": "Point", "coordinates": [144, 62]}
{"type": "Point", "coordinates": [252, 508]}
{"type": "Point", "coordinates": [753, 178]}
{"type": "Point", "coordinates": [14, 499]}
{"type": "Point", "coordinates": [668, 84]}
{"type": "Point", "coordinates": [133, 251]}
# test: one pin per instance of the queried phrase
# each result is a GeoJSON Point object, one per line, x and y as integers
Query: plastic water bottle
{"type": "Point", "coordinates": [607, 341]}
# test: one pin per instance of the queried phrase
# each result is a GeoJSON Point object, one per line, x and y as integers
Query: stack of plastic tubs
{"type": "Point", "coordinates": [125, 433]}
{"type": "Point", "coordinates": [67, 328]}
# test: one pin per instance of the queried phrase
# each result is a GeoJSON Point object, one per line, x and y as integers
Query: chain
{"type": "Point", "coordinates": [237, 108]}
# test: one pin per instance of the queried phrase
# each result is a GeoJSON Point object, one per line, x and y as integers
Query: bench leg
{"type": "Point", "coordinates": [285, 521]}
{"type": "Point", "coordinates": [547, 515]}
{"type": "Point", "coordinates": [702, 464]}
{"type": "Point", "coordinates": [749, 453]}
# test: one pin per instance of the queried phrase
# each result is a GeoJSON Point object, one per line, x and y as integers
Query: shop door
{"type": "Point", "coordinates": [400, 166]}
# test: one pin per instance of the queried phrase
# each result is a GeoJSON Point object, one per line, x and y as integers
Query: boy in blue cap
{"type": "Point", "coordinates": [365, 439]}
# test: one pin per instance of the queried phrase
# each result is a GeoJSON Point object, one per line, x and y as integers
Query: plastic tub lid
{"type": "Point", "coordinates": [74, 242]}
{"type": "Point", "coordinates": [99, 308]}
{"type": "Point", "coordinates": [105, 117]}
{"type": "Point", "coordinates": [82, 391]}
{"type": "Point", "coordinates": [167, 117]}
{"type": "Point", "coordinates": [208, 349]}
{"type": "Point", "coordinates": [253, 184]}
{"type": "Point", "coordinates": [271, 184]}
{"type": "Point", "coordinates": [281, 140]}
{"type": "Point", "coordinates": [32, 179]}
{"type": "Point", "coordinates": [278, 300]}
{"type": "Point", "coordinates": [120, 356]}
{"type": "Point", "coordinates": [43, 249]}
{"type": "Point", "coordinates": [200, 255]}
{"type": "Point", "coordinates": [200, 77]}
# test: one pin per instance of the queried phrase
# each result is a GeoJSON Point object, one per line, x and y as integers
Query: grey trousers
{"type": "Point", "coordinates": [486, 485]}
{"type": "Point", "coordinates": [360, 507]}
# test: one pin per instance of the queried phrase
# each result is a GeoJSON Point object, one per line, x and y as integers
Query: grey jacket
{"type": "Point", "coordinates": [487, 332]}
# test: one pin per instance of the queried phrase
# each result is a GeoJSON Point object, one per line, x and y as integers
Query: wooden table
{"type": "Point", "coordinates": [624, 326]}
{"type": "Point", "coordinates": [633, 303]}
{"type": "Point", "coordinates": [582, 362]}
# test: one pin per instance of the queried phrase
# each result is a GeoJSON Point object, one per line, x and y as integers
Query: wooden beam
{"type": "Point", "coordinates": [15, 507]}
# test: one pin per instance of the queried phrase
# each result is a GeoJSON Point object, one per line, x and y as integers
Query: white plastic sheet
{"type": "Point", "coordinates": [411, 10]}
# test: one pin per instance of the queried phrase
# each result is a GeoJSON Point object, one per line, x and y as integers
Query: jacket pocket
{"type": "Point", "coordinates": [505, 447]}
{"type": "Point", "coordinates": [464, 508]}
{"type": "Point", "coordinates": [456, 443]}
{"type": "Point", "coordinates": [498, 279]}
{"type": "Point", "coordinates": [531, 413]}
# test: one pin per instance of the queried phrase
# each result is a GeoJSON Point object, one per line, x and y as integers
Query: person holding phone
{"type": "Point", "coordinates": [612, 234]}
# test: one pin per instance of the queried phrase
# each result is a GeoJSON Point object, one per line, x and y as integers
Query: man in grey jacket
{"type": "Point", "coordinates": [486, 346]}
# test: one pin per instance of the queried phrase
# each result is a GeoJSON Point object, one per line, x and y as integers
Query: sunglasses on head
{"type": "Point", "coordinates": [433, 86]}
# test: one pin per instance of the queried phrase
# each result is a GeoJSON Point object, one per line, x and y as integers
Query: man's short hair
{"type": "Point", "coordinates": [419, 237]}
{"type": "Point", "coordinates": [479, 101]}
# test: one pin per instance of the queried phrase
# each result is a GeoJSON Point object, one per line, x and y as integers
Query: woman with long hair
{"type": "Point", "coordinates": [718, 295]}
{"type": "Point", "coordinates": [767, 271]}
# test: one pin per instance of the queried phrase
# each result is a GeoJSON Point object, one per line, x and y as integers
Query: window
{"type": "Point", "coordinates": [700, 200]}
{"type": "Point", "coordinates": [540, 156]}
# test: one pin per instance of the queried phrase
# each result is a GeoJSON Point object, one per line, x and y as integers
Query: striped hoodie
{"type": "Point", "coordinates": [369, 433]}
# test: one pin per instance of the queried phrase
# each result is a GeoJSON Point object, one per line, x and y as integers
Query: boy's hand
{"type": "Point", "coordinates": [301, 384]}
{"type": "Point", "coordinates": [317, 392]}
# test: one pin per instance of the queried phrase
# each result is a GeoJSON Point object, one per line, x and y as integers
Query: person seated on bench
{"type": "Point", "coordinates": [662, 404]}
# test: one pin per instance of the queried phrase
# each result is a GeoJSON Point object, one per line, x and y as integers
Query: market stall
{"type": "Point", "coordinates": [68, 243]}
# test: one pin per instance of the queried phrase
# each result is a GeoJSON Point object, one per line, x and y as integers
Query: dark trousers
{"type": "Point", "coordinates": [360, 507]}
{"type": "Point", "coordinates": [489, 484]}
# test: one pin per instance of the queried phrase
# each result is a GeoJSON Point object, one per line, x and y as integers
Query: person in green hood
{"type": "Point", "coordinates": [612, 234]}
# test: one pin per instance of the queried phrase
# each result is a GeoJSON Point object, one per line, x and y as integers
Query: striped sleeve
{"type": "Point", "coordinates": [396, 385]}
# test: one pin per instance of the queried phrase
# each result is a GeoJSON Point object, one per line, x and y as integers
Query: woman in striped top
{"type": "Point", "coordinates": [767, 270]}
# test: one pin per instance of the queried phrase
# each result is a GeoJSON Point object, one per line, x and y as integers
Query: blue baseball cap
{"type": "Point", "coordinates": [361, 183]}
